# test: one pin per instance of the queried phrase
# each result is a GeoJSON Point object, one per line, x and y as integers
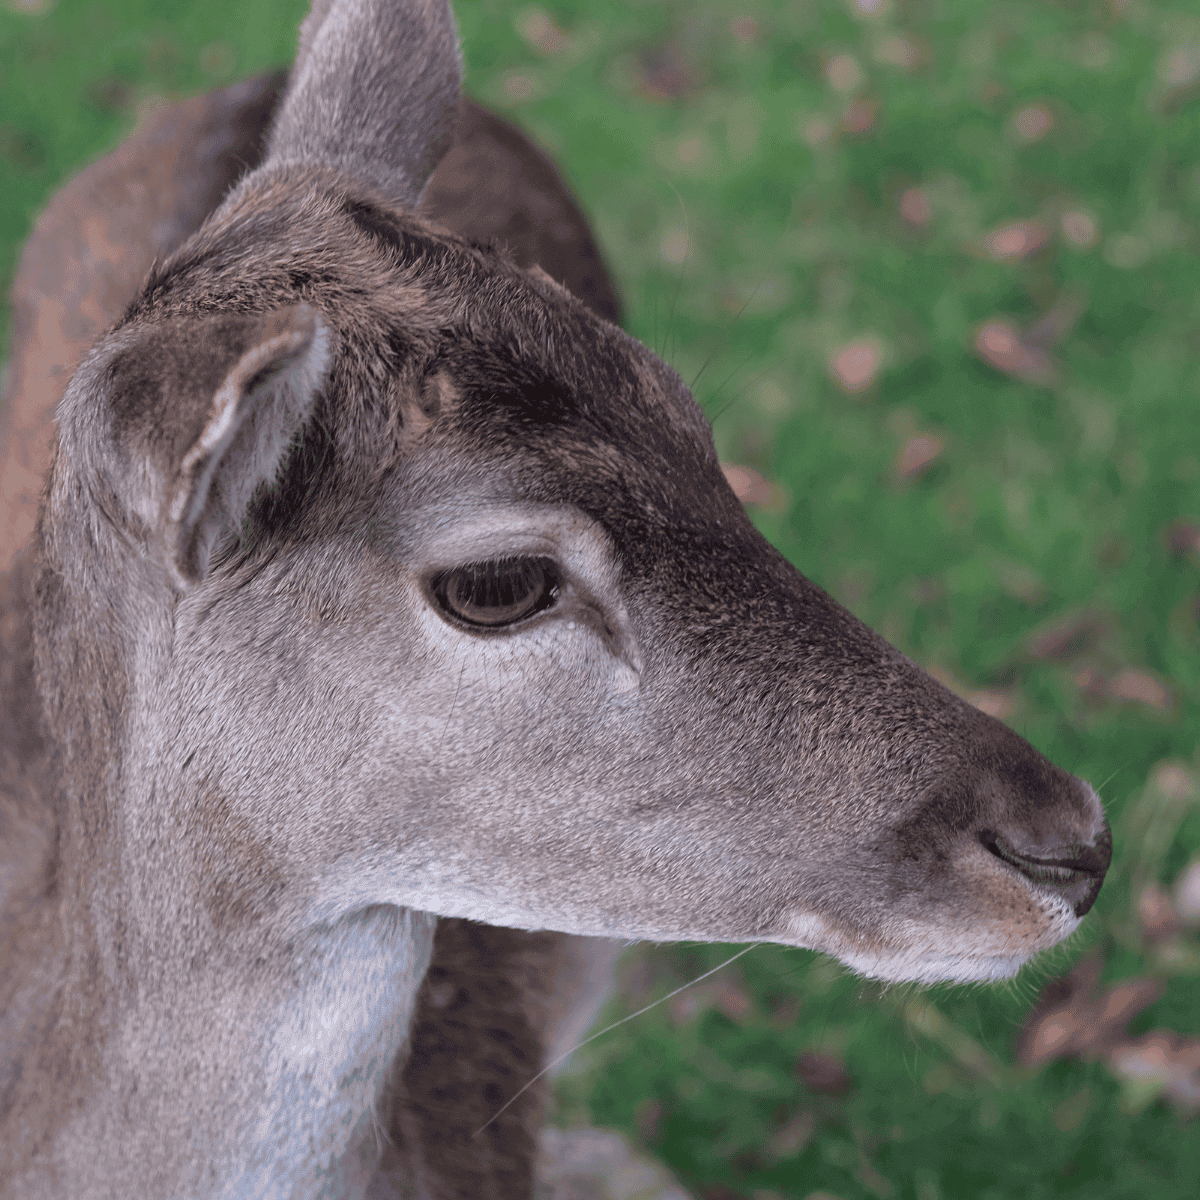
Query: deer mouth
{"type": "Point", "coordinates": [1073, 872]}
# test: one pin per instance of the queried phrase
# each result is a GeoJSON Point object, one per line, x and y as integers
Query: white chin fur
{"type": "Point", "coordinates": [960, 957]}
{"type": "Point", "coordinates": [934, 968]}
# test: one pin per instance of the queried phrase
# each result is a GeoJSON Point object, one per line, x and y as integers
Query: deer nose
{"type": "Point", "coordinates": [1074, 871]}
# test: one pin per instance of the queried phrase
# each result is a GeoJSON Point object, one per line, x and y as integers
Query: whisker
{"type": "Point", "coordinates": [608, 1029]}
{"type": "Point", "coordinates": [453, 704]}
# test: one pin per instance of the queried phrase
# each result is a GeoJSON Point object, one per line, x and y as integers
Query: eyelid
{"type": "Point", "coordinates": [541, 572]}
{"type": "Point", "coordinates": [465, 533]}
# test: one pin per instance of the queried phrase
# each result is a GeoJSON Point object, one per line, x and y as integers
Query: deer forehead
{"type": "Point", "coordinates": [435, 336]}
{"type": "Point", "coordinates": [405, 297]}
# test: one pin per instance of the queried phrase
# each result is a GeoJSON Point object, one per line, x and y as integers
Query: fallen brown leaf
{"type": "Point", "coordinates": [1056, 322]}
{"type": "Point", "coordinates": [749, 486]}
{"type": "Point", "coordinates": [1079, 228]}
{"type": "Point", "coordinates": [1032, 123]}
{"type": "Point", "coordinates": [664, 75]}
{"type": "Point", "coordinates": [1174, 780]}
{"type": "Point", "coordinates": [1157, 914]}
{"type": "Point", "coordinates": [1091, 682]}
{"type": "Point", "coordinates": [823, 1074]}
{"type": "Point", "coordinates": [726, 995]}
{"type": "Point", "coordinates": [518, 87]}
{"type": "Point", "coordinates": [915, 207]}
{"type": "Point", "coordinates": [995, 703]}
{"type": "Point", "coordinates": [999, 344]}
{"type": "Point", "coordinates": [732, 999]}
{"type": "Point", "coordinates": [1019, 239]}
{"type": "Point", "coordinates": [843, 73]}
{"type": "Point", "coordinates": [1139, 687]}
{"type": "Point", "coordinates": [856, 365]}
{"type": "Point", "coordinates": [901, 52]}
{"type": "Point", "coordinates": [1187, 893]}
{"type": "Point", "coordinates": [1068, 1021]}
{"type": "Point", "coordinates": [539, 29]}
{"type": "Point", "coordinates": [1182, 536]}
{"type": "Point", "coordinates": [1160, 1063]}
{"type": "Point", "coordinates": [1067, 638]}
{"type": "Point", "coordinates": [792, 1138]}
{"type": "Point", "coordinates": [917, 455]}
{"type": "Point", "coordinates": [860, 115]}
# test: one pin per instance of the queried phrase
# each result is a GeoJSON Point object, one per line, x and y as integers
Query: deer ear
{"type": "Point", "coordinates": [262, 402]}
{"type": "Point", "coordinates": [374, 93]}
{"type": "Point", "coordinates": [174, 429]}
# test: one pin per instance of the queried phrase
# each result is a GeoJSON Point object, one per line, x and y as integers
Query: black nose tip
{"type": "Point", "coordinates": [1074, 872]}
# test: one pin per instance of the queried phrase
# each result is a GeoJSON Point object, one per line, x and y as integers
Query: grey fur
{"type": "Point", "coordinates": [340, 108]}
{"type": "Point", "coordinates": [260, 757]}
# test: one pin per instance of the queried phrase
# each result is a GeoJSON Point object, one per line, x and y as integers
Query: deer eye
{"type": "Point", "coordinates": [500, 592]}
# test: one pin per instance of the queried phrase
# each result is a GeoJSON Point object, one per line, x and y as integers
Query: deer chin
{"type": "Point", "coordinates": [913, 952]}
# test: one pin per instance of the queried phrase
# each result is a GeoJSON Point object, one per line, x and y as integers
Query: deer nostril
{"type": "Point", "coordinates": [1073, 871]}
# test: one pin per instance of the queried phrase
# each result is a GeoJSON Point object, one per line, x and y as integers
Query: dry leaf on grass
{"type": "Point", "coordinates": [860, 115]}
{"type": "Point", "coordinates": [1080, 228]}
{"type": "Point", "coordinates": [793, 1137]}
{"type": "Point", "coordinates": [1067, 638]}
{"type": "Point", "coordinates": [749, 486]}
{"type": "Point", "coordinates": [1000, 345]}
{"type": "Point", "coordinates": [665, 76]}
{"type": "Point", "coordinates": [726, 995]}
{"type": "Point", "coordinates": [539, 29]}
{"type": "Point", "coordinates": [1067, 1020]}
{"type": "Point", "coordinates": [855, 365]}
{"type": "Point", "coordinates": [1182, 536]}
{"type": "Point", "coordinates": [917, 455]}
{"type": "Point", "coordinates": [1031, 123]}
{"type": "Point", "coordinates": [1187, 893]}
{"type": "Point", "coordinates": [1018, 239]}
{"type": "Point", "coordinates": [1025, 353]}
{"type": "Point", "coordinates": [907, 53]}
{"type": "Point", "coordinates": [995, 703]}
{"type": "Point", "coordinates": [1140, 687]}
{"type": "Point", "coordinates": [1157, 913]}
{"type": "Point", "coordinates": [843, 73]}
{"type": "Point", "coordinates": [823, 1074]}
{"type": "Point", "coordinates": [1160, 1063]}
{"type": "Point", "coordinates": [1091, 682]}
{"type": "Point", "coordinates": [916, 208]}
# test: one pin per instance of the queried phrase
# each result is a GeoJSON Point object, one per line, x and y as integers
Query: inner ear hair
{"type": "Point", "coordinates": [261, 404]}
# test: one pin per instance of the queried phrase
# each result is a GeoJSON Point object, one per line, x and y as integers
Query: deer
{"type": "Point", "coordinates": [388, 647]}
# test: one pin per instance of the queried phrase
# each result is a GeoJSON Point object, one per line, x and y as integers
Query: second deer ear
{"type": "Point", "coordinates": [374, 93]}
{"type": "Point", "coordinates": [195, 415]}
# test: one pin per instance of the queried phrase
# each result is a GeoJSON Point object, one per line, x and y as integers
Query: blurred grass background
{"type": "Point", "coordinates": [933, 264]}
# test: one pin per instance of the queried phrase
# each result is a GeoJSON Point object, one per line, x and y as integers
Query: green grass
{"type": "Point", "coordinates": [749, 250]}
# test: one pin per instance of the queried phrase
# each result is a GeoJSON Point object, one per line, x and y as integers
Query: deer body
{"type": "Point", "coordinates": [381, 588]}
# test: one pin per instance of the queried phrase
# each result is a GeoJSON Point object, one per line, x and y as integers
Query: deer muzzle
{"type": "Point", "coordinates": [1073, 871]}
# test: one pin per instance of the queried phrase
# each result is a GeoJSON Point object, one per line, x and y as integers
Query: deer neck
{"type": "Point", "coordinates": [248, 1039]}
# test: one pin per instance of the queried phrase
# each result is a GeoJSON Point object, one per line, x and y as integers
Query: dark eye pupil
{"type": "Point", "coordinates": [499, 592]}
